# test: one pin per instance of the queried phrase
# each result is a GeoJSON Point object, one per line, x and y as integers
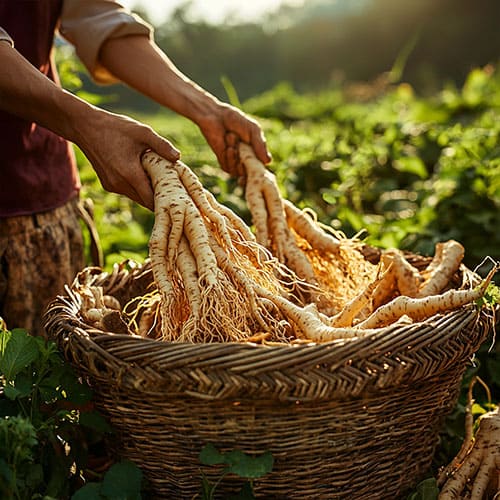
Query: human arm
{"type": "Point", "coordinates": [153, 74]}
{"type": "Point", "coordinates": [112, 143]}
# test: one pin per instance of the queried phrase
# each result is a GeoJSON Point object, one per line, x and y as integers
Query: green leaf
{"type": "Point", "coordinates": [94, 420]}
{"type": "Point", "coordinates": [210, 455]}
{"type": "Point", "coordinates": [238, 462]}
{"type": "Point", "coordinates": [247, 466]}
{"type": "Point", "coordinates": [24, 383]}
{"type": "Point", "coordinates": [206, 488]}
{"type": "Point", "coordinates": [426, 490]}
{"type": "Point", "coordinates": [477, 409]}
{"type": "Point", "coordinates": [90, 491]}
{"type": "Point", "coordinates": [122, 482]}
{"type": "Point", "coordinates": [11, 392]}
{"type": "Point", "coordinates": [17, 351]}
{"type": "Point", "coordinates": [411, 165]}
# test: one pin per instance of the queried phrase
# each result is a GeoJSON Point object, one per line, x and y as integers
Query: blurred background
{"type": "Point", "coordinates": [316, 43]}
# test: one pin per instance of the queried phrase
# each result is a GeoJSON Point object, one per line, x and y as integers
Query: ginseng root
{"type": "Point", "coordinates": [447, 259]}
{"type": "Point", "coordinates": [217, 282]}
{"type": "Point", "coordinates": [477, 474]}
{"type": "Point", "coordinates": [322, 258]}
{"type": "Point", "coordinates": [205, 264]}
{"type": "Point", "coordinates": [425, 307]}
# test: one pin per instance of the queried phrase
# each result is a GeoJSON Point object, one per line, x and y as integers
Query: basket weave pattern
{"type": "Point", "coordinates": [355, 419]}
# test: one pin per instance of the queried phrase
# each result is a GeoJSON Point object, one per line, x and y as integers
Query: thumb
{"type": "Point", "coordinates": [164, 148]}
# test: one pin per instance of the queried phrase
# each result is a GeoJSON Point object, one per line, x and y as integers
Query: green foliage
{"type": "Point", "coordinates": [121, 482]}
{"type": "Point", "coordinates": [46, 420]}
{"type": "Point", "coordinates": [235, 462]}
{"type": "Point", "coordinates": [491, 297]}
{"type": "Point", "coordinates": [426, 490]}
{"type": "Point", "coordinates": [410, 171]}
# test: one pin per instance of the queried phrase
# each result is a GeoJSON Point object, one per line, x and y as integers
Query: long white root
{"type": "Point", "coordinates": [216, 282]}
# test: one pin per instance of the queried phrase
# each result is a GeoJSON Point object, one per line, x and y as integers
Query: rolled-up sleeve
{"type": "Point", "coordinates": [4, 37]}
{"type": "Point", "coordinates": [87, 24]}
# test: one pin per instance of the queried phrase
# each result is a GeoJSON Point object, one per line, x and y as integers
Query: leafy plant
{"type": "Point", "coordinates": [47, 421]}
{"type": "Point", "coordinates": [121, 482]}
{"type": "Point", "coordinates": [238, 463]}
{"type": "Point", "coordinates": [425, 490]}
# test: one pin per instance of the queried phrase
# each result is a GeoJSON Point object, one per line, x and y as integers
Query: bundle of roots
{"type": "Point", "coordinates": [293, 279]}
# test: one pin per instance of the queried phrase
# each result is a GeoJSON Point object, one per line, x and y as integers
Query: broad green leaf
{"type": "Point", "coordinates": [122, 482]}
{"type": "Point", "coordinates": [17, 351]}
{"type": "Point", "coordinates": [90, 491]}
{"type": "Point", "coordinates": [24, 383]}
{"type": "Point", "coordinates": [247, 466]}
{"type": "Point", "coordinates": [210, 455]}
{"type": "Point", "coordinates": [11, 392]}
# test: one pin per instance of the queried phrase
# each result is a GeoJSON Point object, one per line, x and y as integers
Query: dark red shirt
{"type": "Point", "coordinates": [37, 168]}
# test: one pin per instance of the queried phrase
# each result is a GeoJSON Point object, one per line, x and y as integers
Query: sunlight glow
{"type": "Point", "coordinates": [214, 11]}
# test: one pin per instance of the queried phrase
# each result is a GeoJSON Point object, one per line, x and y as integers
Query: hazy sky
{"type": "Point", "coordinates": [211, 10]}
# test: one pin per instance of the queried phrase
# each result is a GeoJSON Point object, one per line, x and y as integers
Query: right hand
{"type": "Point", "coordinates": [224, 127]}
{"type": "Point", "coordinates": [114, 145]}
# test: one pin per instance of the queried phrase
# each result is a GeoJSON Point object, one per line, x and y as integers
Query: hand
{"type": "Point", "coordinates": [224, 128]}
{"type": "Point", "coordinates": [114, 145]}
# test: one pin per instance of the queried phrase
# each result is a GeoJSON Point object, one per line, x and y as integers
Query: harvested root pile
{"type": "Point", "coordinates": [474, 472]}
{"type": "Point", "coordinates": [214, 280]}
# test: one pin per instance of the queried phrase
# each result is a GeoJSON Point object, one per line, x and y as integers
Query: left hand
{"type": "Point", "coordinates": [224, 129]}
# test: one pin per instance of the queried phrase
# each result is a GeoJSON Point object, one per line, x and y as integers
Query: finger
{"type": "Point", "coordinates": [234, 163]}
{"type": "Point", "coordinates": [231, 139]}
{"type": "Point", "coordinates": [217, 143]}
{"type": "Point", "coordinates": [164, 148]}
{"type": "Point", "coordinates": [259, 146]}
{"type": "Point", "coordinates": [231, 160]}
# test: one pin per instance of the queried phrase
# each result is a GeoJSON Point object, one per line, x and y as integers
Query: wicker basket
{"type": "Point", "coordinates": [356, 419]}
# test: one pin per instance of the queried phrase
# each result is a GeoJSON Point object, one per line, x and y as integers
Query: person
{"type": "Point", "coordinates": [40, 237]}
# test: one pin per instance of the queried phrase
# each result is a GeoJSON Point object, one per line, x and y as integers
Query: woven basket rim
{"type": "Point", "coordinates": [399, 353]}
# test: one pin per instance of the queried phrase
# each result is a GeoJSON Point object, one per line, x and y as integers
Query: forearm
{"type": "Point", "coordinates": [139, 63]}
{"type": "Point", "coordinates": [27, 93]}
